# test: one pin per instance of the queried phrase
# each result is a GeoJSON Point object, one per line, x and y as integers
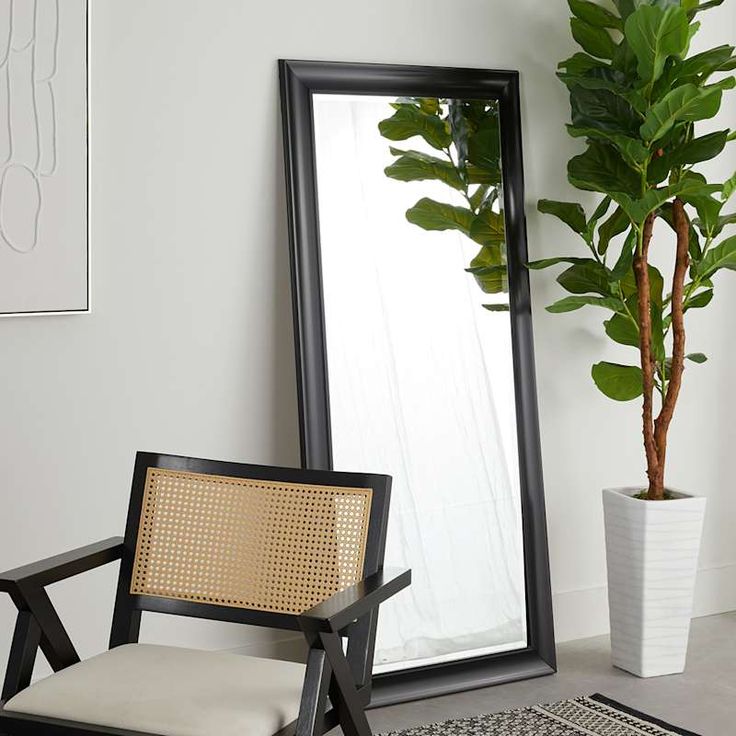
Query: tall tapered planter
{"type": "Point", "coordinates": [652, 554]}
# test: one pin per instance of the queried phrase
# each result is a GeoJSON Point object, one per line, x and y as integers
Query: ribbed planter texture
{"type": "Point", "coordinates": [652, 557]}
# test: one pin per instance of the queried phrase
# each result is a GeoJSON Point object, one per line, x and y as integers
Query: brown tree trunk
{"type": "Point", "coordinates": [682, 262]}
{"type": "Point", "coordinates": [641, 273]}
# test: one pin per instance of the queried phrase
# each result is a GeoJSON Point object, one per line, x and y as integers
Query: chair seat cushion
{"type": "Point", "coordinates": [170, 691]}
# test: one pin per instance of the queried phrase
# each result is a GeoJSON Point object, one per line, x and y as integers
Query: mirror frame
{"type": "Point", "coordinates": [299, 81]}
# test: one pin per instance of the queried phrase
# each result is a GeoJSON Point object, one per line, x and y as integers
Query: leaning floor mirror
{"type": "Point", "coordinates": [414, 353]}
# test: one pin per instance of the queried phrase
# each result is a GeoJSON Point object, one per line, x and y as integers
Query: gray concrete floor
{"type": "Point", "coordinates": [703, 699]}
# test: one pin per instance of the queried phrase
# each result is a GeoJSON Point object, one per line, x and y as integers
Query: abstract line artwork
{"type": "Point", "coordinates": [44, 259]}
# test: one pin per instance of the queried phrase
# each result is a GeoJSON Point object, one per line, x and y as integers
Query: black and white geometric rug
{"type": "Point", "coordinates": [595, 715]}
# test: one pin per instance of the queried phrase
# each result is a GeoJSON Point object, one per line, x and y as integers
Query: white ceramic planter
{"type": "Point", "coordinates": [652, 554]}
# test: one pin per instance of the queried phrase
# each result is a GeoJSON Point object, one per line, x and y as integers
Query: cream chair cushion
{"type": "Point", "coordinates": [171, 692]}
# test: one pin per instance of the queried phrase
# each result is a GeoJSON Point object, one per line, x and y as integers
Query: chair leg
{"type": "Point", "coordinates": [311, 720]}
{"type": "Point", "coordinates": [343, 692]}
{"type": "Point", "coordinates": [56, 645]}
{"type": "Point", "coordinates": [23, 649]}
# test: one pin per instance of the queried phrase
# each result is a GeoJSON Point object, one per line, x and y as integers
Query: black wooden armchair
{"type": "Point", "coordinates": [283, 548]}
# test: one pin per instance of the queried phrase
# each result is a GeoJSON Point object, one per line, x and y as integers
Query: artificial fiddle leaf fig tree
{"type": "Point", "coordinates": [636, 96]}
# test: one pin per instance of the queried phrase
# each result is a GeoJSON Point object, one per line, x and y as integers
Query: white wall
{"type": "Point", "coordinates": [189, 347]}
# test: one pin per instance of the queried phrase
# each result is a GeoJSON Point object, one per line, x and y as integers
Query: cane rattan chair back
{"type": "Point", "coordinates": [248, 543]}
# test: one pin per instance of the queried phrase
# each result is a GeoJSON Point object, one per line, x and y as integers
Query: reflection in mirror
{"type": "Point", "coordinates": [419, 360]}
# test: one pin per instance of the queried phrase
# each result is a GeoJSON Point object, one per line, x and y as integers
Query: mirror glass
{"type": "Point", "coordinates": [420, 361]}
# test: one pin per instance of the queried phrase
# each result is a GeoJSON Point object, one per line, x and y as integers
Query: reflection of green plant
{"type": "Point", "coordinates": [635, 97]}
{"type": "Point", "coordinates": [466, 133]}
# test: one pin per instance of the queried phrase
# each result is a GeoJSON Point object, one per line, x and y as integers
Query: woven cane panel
{"type": "Point", "coordinates": [264, 545]}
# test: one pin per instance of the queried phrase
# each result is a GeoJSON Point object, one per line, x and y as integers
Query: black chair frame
{"type": "Point", "coordinates": [351, 613]}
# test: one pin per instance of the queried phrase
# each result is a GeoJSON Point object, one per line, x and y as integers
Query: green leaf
{"type": "Point", "coordinates": [728, 188]}
{"type": "Point", "coordinates": [625, 7]}
{"type": "Point", "coordinates": [633, 151]}
{"type": "Point", "coordinates": [418, 166]}
{"type": "Point", "coordinates": [484, 145]}
{"type": "Point", "coordinates": [580, 63]}
{"type": "Point", "coordinates": [431, 215]}
{"type": "Point", "coordinates": [613, 226]}
{"type": "Point", "coordinates": [409, 121]}
{"type": "Point", "coordinates": [487, 257]}
{"type": "Point", "coordinates": [487, 228]}
{"type": "Point", "coordinates": [594, 14]}
{"type": "Point", "coordinates": [571, 303]}
{"type": "Point", "coordinates": [700, 300]}
{"type": "Point", "coordinates": [583, 278]}
{"type": "Point", "coordinates": [603, 110]}
{"type": "Point", "coordinates": [497, 307]}
{"type": "Point", "coordinates": [697, 357]}
{"type": "Point", "coordinates": [707, 5]}
{"type": "Point", "coordinates": [493, 279]}
{"type": "Point", "coordinates": [685, 103]}
{"type": "Point", "coordinates": [704, 63]}
{"type": "Point", "coordinates": [618, 382]}
{"type": "Point", "coordinates": [601, 169]}
{"type": "Point", "coordinates": [625, 259]}
{"type": "Point", "coordinates": [600, 211]}
{"type": "Point", "coordinates": [700, 149]}
{"type": "Point", "coordinates": [596, 41]}
{"type": "Point", "coordinates": [547, 262]}
{"type": "Point", "coordinates": [571, 213]}
{"type": "Point", "coordinates": [721, 256]}
{"type": "Point", "coordinates": [654, 35]}
{"type": "Point", "coordinates": [622, 330]}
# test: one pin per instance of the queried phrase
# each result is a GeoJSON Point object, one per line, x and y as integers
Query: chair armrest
{"type": "Point", "coordinates": [52, 569]}
{"type": "Point", "coordinates": [341, 609]}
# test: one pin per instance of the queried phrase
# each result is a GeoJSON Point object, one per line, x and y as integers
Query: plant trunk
{"type": "Point", "coordinates": [641, 273]}
{"type": "Point", "coordinates": [682, 262]}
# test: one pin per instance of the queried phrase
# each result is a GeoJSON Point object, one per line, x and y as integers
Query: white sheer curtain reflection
{"type": "Point", "coordinates": [421, 388]}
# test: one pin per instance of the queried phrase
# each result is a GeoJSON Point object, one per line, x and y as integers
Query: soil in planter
{"type": "Point", "coordinates": [644, 497]}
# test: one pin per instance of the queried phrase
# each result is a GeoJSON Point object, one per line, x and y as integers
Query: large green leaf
{"type": "Point", "coordinates": [487, 228]}
{"type": "Point", "coordinates": [595, 41]}
{"type": "Point", "coordinates": [594, 14]}
{"type": "Point", "coordinates": [704, 63]}
{"type": "Point", "coordinates": [618, 382]}
{"type": "Point", "coordinates": [487, 256]}
{"type": "Point", "coordinates": [571, 303]}
{"type": "Point", "coordinates": [603, 110]}
{"type": "Point", "coordinates": [654, 35]}
{"type": "Point", "coordinates": [432, 215]}
{"type": "Point", "coordinates": [571, 213]}
{"type": "Point", "coordinates": [694, 151]}
{"type": "Point", "coordinates": [584, 278]}
{"type": "Point", "coordinates": [634, 152]}
{"type": "Point", "coordinates": [602, 169]}
{"type": "Point", "coordinates": [492, 280]}
{"type": "Point", "coordinates": [409, 121]}
{"type": "Point", "coordinates": [418, 166]}
{"type": "Point", "coordinates": [623, 330]}
{"type": "Point", "coordinates": [721, 256]}
{"type": "Point", "coordinates": [686, 103]}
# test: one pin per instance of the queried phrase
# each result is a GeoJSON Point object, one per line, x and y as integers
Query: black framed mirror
{"type": "Point", "coordinates": [415, 356]}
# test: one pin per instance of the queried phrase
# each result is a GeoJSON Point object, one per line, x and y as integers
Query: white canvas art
{"type": "Point", "coordinates": [44, 258]}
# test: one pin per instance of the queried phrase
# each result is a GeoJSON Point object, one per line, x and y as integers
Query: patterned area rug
{"type": "Point", "coordinates": [595, 715]}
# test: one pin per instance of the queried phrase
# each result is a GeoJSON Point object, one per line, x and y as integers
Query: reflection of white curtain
{"type": "Point", "coordinates": [421, 388]}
